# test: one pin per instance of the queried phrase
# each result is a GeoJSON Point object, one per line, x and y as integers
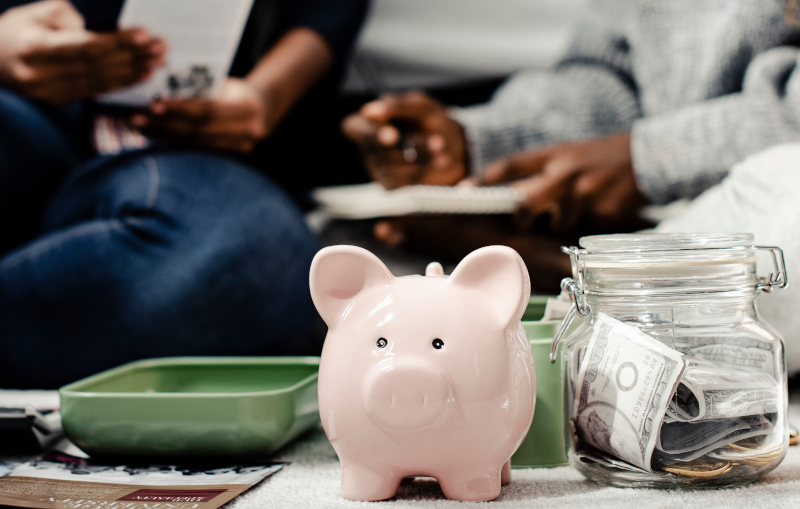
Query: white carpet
{"type": "Point", "coordinates": [312, 480]}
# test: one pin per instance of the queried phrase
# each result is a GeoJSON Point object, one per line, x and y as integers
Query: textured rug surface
{"type": "Point", "coordinates": [312, 481]}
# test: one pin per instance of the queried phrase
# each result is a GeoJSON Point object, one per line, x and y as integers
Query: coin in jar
{"type": "Point", "coordinates": [700, 469]}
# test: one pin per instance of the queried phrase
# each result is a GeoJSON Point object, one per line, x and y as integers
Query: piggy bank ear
{"type": "Point", "coordinates": [339, 274]}
{"type": "Point", "coordinates": [499, 273]}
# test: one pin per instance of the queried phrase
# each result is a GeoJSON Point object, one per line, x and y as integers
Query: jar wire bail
{"type": "Point", "coordinates": [778, 278]}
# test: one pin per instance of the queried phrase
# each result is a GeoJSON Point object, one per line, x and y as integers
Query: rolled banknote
{"type": "Point", "coordinates": [711, 390]}
{"type": "Point", "coordinates": [623, 387]}
{"type": "Point", "coordinates": [739, 350]}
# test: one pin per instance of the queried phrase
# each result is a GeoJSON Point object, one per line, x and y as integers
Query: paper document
{"type": "Point", "coordinates": [60, 481]}
{"type": "Point", "coordinates": [202, 37]}
{"type": "Point", "coordinates": [365, 201]}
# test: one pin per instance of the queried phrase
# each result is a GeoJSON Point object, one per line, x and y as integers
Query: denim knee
{"type": "Point", "coordinates": [29, 137]}
{"type": "Point", "coordinates": [159, 254]}
{"type": "Point", "coordinates": [247, 245]}
{"type": "Point", "coordinates": [235, 256]}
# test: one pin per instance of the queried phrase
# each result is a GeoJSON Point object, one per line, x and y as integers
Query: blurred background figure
{"type": "Point", "coordinates": [653, 102]}
{"type": "Point", "coordinates": [282, 97]}
{"type": "Point", "coordinates": [183, 248]}
{"type": "Point", "coordinates": [759, 196]}
{"type": "Point", "coordinates": [460, 52]}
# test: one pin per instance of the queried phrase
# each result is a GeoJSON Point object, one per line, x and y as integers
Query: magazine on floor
{"type": "Point", "coordinates": [61, 481]}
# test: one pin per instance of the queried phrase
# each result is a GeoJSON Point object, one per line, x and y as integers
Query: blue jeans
{"type": "Point", "coordinates": [142, 255]}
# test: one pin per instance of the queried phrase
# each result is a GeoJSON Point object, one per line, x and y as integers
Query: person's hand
{"type": "Point", "coordinates": [572, 181]}
{"type": "Point", "coordinates": [408, 139]}
{"type": "Point", "coordinates": [47, 55]}
{"type": "Point", "coordinates": [233, 122]}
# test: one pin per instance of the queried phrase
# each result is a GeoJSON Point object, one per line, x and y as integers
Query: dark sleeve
{"type": "Point", "coordinates": [97, 14]}
{"type": "Point", "coordinates": [337, 21]}
{"type": "Point", "coordinates": [8, 4]}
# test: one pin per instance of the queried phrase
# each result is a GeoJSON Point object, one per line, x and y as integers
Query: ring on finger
{"type": "Point", "coordinates": [410, 154]}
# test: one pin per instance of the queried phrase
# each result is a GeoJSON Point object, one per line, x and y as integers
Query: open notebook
{"type": "Point", "coordinates": [364, 201]}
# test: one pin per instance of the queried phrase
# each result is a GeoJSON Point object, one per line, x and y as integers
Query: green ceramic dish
{"type": "Point", "coordinates": [193, 407]}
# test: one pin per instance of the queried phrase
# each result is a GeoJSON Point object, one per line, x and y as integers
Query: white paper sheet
{"type": "Point", "coordinates": [202, 36]}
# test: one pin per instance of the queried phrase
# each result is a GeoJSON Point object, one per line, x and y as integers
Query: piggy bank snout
{"type": "Point", "coordinates": [407, 397]}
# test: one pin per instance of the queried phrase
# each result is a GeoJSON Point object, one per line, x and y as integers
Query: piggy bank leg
{"type": "Point", "coordinates": [505, 473]}
{"type": "Point", "coordinates": [360, 482]}
{"type": "Point", "coordinates": [476, 485]}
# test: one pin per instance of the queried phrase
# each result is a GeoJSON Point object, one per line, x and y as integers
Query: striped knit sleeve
{"type": "Point", "coordinates": [590, 93]}
{"type": "Point", "coordinates": [681, 153]}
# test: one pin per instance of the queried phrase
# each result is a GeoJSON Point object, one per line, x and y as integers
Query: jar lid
{"type": "Point", "coordinates": [663, 250]}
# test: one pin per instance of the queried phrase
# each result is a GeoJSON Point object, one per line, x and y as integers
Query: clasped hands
{"type": "Point", "coordinates": [570, 182]}
{"type": "Point", "coordinates": [47, 54]}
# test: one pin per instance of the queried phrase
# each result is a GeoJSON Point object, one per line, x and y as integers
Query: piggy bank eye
{"type": "Point", "coordinates": [438, 344]}
{"type": "Point", "coordinates": [382, 343]}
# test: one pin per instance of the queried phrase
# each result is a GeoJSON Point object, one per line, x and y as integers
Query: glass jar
{"type": "Point", "coordinates": [672, 380]}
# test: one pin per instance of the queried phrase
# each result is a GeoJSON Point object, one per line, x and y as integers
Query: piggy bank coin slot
{"type": "Point", "coordinates": [382, 343]}
{"type": "Point", "coordinates": [438, 344]}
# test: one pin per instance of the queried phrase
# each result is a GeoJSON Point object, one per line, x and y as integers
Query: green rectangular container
{"type": "Point", "coordinates": [544, 445]}
{"type": "Point", "coordinates": [193, 407]}
{"type": "Point", "coordinates": [535, 310]}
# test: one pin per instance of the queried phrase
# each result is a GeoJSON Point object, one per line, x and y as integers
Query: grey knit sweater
{"type": "Point", "coordinates": [701, 84]}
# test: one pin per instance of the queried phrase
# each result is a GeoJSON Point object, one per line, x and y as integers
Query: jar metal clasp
{"type": "Point", "coordinates": [574, 288]}
{"type": "Point", "coordinates": [778, 278]}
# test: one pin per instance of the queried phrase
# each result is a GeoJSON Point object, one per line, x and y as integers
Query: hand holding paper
{"type": "Point", "coordinates": [202, 36]}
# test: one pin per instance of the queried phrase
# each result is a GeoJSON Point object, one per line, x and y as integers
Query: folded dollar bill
{"type": "Point", "coordinates": [712, 390]}
{"type": "Point", "coordinates": [601, 458]}
{"type": "Point", "coordinates": [686, 441]}
{"type": "Point", "coordinates": [738, 350]}
{"type": "Point", "coordinates": [623, 386]}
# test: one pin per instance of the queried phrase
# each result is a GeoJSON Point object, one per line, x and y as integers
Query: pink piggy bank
{"type": "Point", "coordinates": [424, 375]}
